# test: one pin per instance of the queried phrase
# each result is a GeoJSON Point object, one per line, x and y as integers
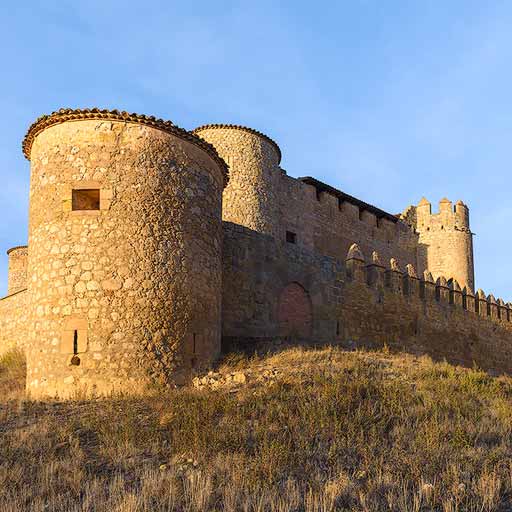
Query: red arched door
{"type": "Point", "coordinates": [294, 312]}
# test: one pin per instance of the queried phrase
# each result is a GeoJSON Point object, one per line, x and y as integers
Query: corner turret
{"type": "Point", "coordinates": [445, 241]}
{"type": "Point", "coordinates": [124, 267]}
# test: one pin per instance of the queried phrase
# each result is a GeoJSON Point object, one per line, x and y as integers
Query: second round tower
{"type": "Point", "coordinates": [251, 197]}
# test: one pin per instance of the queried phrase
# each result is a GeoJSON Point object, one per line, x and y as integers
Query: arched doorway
{"type": "Point", "coordinates": [295, 315]}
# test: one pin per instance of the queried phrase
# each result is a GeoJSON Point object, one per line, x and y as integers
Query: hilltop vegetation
{"type": "Point", "coordinates": [300, 430]}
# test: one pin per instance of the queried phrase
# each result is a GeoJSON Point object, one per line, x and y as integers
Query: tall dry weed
{"type": "Point", "coordinates": [333, 431]}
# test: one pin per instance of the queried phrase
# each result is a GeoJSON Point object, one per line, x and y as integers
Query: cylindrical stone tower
{"type": "Point", "coordinates": [17, 278]}
{"type": "Point", "coordinates": [251, 197]}
{"type": "Point", "coordinates": [124, 268]}
{"type": "Point", "coordinates": [446, 242]}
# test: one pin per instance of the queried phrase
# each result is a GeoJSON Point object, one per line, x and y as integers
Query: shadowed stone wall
{"type": "Point", "coordinates": [359, 303]}
{"type": "Point", "coordinates": [294, 313]}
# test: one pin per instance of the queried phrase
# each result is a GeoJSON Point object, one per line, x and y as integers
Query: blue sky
{"type": "Point", "coordinates": [388, 101]}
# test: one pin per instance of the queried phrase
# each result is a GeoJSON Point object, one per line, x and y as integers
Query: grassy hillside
{"type": "Point", "coordinates": [301, 430]}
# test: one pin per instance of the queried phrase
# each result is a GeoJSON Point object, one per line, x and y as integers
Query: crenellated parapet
{"type": "Point", "coordinates": [448, 216]}
{"type": "Point", "coordinates": [375, 272]}
{"type": "Point", "coordinates": [445, 293]}
{"type": "Point", "coordinates": [455, 294]}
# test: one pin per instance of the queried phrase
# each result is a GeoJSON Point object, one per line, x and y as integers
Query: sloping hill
{"type": "Point", "coordinates": [314, 430]}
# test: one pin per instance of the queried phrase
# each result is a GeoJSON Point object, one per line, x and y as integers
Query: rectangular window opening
{"type": "Point", "coordinates": [291, 237]}
{"type": "Point", "coordinates": [85, 199]}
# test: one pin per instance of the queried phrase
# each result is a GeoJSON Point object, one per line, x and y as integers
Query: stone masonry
{"type": "Point", "coordinates": [143, 255]}
{"type": "Point", "coordinates": [129, 292]}
{"type": "Point", "coordinates": [17, 269]}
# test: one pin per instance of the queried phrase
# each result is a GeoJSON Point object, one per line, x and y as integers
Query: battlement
{"type": "Point", "coordinates": [343, 206]}
{"type": "Point", "coordinates": [448, 217]}
{"type": "Point", "coordinates": [443, 291]}
{"type": "Point", "coordinates": [445, 243]}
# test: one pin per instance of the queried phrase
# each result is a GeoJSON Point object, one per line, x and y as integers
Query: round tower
{"type": "Point", "coordinates": [17, 277]}
{"type": "Point", "coordinates": [251, 197]}
{"type": "Point", "coordinates": [445, 241]}
{"type": "Point", "coordinates": [124, 270]}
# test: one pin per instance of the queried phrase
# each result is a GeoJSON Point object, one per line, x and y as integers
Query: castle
{"type": "Point", "coordinates": [149, 244]}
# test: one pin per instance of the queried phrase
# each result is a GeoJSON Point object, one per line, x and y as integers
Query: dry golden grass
{"type": "Point", "coordinates": [346, 431]}
{"type": "Point", "coordinates": [12, 375]}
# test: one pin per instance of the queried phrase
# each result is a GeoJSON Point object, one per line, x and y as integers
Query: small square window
{"type": "Point", "coordinates": [291, 237]}
{"type": "Point", "coordinates": [86, 199]}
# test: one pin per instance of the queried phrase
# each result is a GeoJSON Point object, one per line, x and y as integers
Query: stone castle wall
{"type": "Point", "coordinates": [127, 295]}
{"type": "Point", "coordinates": [424, 318]}
{"type": "Point", "coordinates": [13, 321]}
{"type": "Point", "coordinates": [261, 197]}
{"type": "Point", "coordinates": [358, 303]}
{"type": "Point", "coordinates": [328, 226]}
{"type": "Point", "coordinates": [256, 269]}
